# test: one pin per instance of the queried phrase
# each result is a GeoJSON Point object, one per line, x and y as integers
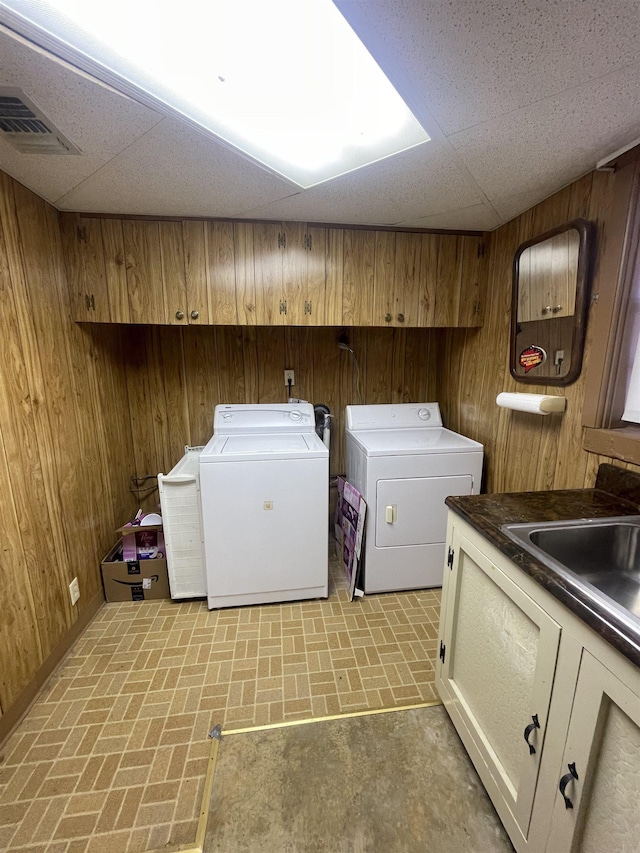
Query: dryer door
{"type": "Point", "coordinates": [413, 512]}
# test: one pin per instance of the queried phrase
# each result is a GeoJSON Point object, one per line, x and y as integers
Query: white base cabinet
{"type": "Point", "coordinates": [547, 710]}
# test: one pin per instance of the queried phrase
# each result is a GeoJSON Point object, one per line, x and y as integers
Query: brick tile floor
{"type": "Point", "coordinates": [111, 758]}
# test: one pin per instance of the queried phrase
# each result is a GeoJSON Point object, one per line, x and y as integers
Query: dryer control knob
{"type": "Point", "coordinates": [424, 414]}
{"type": "Point", "coordinates": [295, 415]}
{"type": "Point", "coordinates": [227, 416]}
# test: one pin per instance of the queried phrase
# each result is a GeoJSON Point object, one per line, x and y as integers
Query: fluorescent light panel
{"type": "Point", "coordinates": [287, 82]}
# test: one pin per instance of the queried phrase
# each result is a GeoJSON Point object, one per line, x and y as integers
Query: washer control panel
{"type": "Point", "coordinates": [263, 418]}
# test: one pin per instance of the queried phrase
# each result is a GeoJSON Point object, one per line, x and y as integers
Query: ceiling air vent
{"type": "Point", "coordinates": [27, 128]}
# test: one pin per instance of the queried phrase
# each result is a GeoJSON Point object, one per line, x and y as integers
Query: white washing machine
{"type": "Point", "coordinates": [264, 483]}
{"type": "Point", "coordinates": [405, 463]}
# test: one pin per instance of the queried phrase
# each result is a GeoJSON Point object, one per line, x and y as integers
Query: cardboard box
{"type": "Point", "coordinates": [133, 580]}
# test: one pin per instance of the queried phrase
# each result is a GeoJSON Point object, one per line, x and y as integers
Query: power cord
{"type": "Point", "coordinates": [343, 346]}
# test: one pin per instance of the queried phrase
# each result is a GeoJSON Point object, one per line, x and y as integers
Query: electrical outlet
{"type": "Point", "coordinates": [558, 356]}
{"type": "Point", "coordinates": [74, 590]}
{"type": "Point", "coordinates": [289, 378]}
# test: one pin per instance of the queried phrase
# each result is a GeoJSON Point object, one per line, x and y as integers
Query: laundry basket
{"type": "Point", "coordinates": [182, 522]}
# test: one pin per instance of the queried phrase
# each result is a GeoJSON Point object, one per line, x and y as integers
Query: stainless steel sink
{"type": "Point", "coordinates": [599, 554]}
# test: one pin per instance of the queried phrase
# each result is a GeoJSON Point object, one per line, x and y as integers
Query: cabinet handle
{"type": "Point", "coordinates": [400, 318]}
{"type": "Point", "coordinates": [391, 514]}
{"type": "Point", "coordinates": [179, 315]}
{"type": "Point", "coordinates": [387, 317]}
{"type": "Point", "coordinates": [568, 777]}
{"type": "Point", "coordinates": [195, 315]}
{"type": "Point", "coordinates": [556, 309]}
{"type": "Point", "coordinates": [546, 309]}
{"type": "Point", "coordinates": [531, 727]}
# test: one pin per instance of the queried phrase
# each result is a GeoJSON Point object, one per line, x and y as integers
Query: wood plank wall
{"type": "Point", "coordinates": [85, 407]}
{"type": "Point", "coordinates": [176, 375]}
{"type": "Point", "coordinates": [66, 451]}
{"type": "Point", "coordinates": [82, 408]}
{"type": "Point", "coordinates": [522, 451]}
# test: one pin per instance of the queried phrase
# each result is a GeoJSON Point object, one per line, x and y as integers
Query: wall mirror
{"type": "Point", "coordinates": [549, 305]}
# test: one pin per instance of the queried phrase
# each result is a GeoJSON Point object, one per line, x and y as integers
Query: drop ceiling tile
{"type": "Point", "coordinates": [426, 179]}
{"type": "Point", "coordinates": [470, 61]}
{"type": "Point", "coordinates": [478, 217]}
{"type": "Point", "coordinates": [537, 150]}
{"type": "Point", "coordinates": [98, 120]}
{"type": "Point", "coordinates": [176, 170]}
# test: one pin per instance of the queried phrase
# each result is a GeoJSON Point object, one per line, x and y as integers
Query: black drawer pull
{"type": "Point", "coordinates": [568, 777]}
{"type": "Point", "coordinates": [531, 727]}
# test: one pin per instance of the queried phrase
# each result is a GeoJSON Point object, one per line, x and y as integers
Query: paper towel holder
{"type": "Point", "coordinates": [539, 404]}
{"type": "Point", "coordinates": [549, 304]}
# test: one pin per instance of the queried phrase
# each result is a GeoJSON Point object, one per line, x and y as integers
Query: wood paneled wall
{"type": "Point", "coordinates": [522, 451]}
{"type": "Point", "coordinates": [177, 375]}
{"type": "Point", "coordinates": [66, 450]}
{"type": "Point", "coordinates": [85, 407]}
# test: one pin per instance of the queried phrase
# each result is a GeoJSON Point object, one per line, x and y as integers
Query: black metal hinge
{"type": "Point", "coordinates": [443, 651]}
{"type": "Point", "coordinates": [450, 554]}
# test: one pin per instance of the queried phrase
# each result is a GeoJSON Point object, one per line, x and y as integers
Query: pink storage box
{"type": "Point", "coordinates": [142, 541]}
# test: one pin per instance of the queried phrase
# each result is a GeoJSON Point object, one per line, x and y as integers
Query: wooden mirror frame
{"type": "Point", "coordinates": [583, 281]}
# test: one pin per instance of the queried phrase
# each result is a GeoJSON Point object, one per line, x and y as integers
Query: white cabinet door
{"type": "Point", "coordinates": [500, 650]}
{"type": "Point", "coordinates": [603, 751]}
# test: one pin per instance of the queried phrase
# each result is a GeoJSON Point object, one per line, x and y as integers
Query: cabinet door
{"type": "Point", "coordinates": [500, 650]}
{"type": "Point", "coordinates": [84, 256]}
{"type": "Point", "coordinates": [268, 249]}
{"type": "Point", "coordinates": [243, 245]}
{"type": "Point", "coordinates": [407, 279]}
{"type": "Point", "coordinates": [384, 296]}
{"type": "Point", "coordinates": [196, 264]}
{"type": "Point", "coordinates": [603, 747]}
{"type": "Point", "coordinates": [314, 302]}
{"type": "Point", "coordinates": [221, 282]}
{"type": "Point", "coordinates": [145, 256]}
{"type": "Point", "coordinates": [334, 271]}
{"type": "Point", "coordinates": [172, 270]}
{"type": "Point", "coordinates": [293, 258]}
{"type": "Point", "coordinates": [358, 277]}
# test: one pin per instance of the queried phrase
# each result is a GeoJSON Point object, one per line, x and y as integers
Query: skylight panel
{"type": "Point", "coordinates": [286, 82]}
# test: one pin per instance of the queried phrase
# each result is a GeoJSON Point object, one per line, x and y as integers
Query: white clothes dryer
{"type": "Point", "coordinates": [264, 482]}
{"type": "Point", "coordinates": [405, 463]}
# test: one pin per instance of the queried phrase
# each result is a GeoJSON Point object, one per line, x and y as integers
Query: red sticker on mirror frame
{"type": "Point", "coordinates": [531, 357]}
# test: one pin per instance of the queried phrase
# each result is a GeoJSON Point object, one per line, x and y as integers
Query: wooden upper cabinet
{"type": "Point", "coordinates": [268, 251]}
{"type": "Point", "coordinates": [125, 271]}
{"type": "Point", "coordinates": [306, 276]}
{"type": "Point", "coordinates": [156, 282]}
{"type": "Point", "coordinates": [290, 273]}
{"type": "Point", "coordinates": [84, 257]}
{"type": "Point", "coordinates": [397, 278]}
{"type": "Point", "coordinates": [450, 294]}
{"type": "Point", "coordinates": [358, 273]}
{"type": "Point", "coordinates": [210, 262]}
{"type": "Point", "coordinates": [265, 273]}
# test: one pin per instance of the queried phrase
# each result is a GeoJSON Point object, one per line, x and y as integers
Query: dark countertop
{"type": "Point", "coordinates": [617, 493]}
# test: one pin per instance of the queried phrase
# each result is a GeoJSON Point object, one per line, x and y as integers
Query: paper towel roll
{"type": "Point", "coordinates": [540, 404]}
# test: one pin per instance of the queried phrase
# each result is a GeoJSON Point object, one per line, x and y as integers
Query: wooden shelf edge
{"type": "Point", "coordinates": [623, 443]}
